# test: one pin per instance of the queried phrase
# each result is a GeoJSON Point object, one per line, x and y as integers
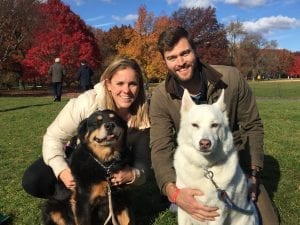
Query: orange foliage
{"type": "Point", "coordinates": [143, 41]}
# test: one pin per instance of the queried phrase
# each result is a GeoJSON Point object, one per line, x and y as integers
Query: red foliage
{"type": "Point", "coordinates": [295, 71]}
{"type": "Point", "coordinates": [63, 35]}
{"type": "Point", "coordinates": [208, 34]}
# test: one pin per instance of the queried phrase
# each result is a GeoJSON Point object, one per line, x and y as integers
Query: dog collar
{"type": "Point", "coordinates": [106, 168]}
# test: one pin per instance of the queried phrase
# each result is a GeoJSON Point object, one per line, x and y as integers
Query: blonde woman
{"type": "Point", "coordinates": [121, 89]}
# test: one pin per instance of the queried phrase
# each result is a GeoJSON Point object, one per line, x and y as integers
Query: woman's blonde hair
{"type": "Point", "coordinates": [139, 108]}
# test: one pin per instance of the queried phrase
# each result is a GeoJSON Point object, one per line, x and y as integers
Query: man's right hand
{"type": "Point", "coordinates": [67, 178]}
{"type": "Point", "coordinates": [187, 202]}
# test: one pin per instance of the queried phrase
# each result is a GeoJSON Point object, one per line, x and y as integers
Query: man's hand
{"type": "Point", "coordinates": [67, 178]}
{"type": "Point", "coordinates": [186, 201]}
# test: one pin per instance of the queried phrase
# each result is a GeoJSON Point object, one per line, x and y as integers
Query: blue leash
{"type": "Point", "coordinates": [228, 202]}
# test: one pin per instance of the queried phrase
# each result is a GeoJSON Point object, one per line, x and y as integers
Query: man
{"type": "Point", "coordinates": [204, 83]}
{"type": "Point", "coordinates": [84, 76]}
{"type": "Point", "coordinates": [57, 72]}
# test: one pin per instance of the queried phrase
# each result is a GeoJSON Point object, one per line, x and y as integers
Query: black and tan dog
{"type": "Point", "coordinates": [102, 150]}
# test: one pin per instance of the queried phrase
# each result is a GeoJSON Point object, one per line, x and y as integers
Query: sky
{"type": "Point", "coordinates": [274, 19]}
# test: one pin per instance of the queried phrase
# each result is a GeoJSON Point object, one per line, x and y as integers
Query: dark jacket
{"type": "Point", "coordinates": [84, 75]}
{"type": "Point", "coordinates": [57, 72]}
{"type": "Point", "coordinates": [244, 119]}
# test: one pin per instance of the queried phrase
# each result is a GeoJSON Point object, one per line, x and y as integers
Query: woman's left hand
{"type": "Point", "coordinates": [123, 176]}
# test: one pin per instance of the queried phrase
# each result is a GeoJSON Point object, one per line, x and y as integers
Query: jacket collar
{"type": "Point", "coordinates": [207, 73]}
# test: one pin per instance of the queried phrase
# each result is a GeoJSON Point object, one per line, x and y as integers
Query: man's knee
{"type": "Point", "coordinates": [267, 209]}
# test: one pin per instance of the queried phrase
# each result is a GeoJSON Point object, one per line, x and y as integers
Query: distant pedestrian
{"type": "Point", "coordinates": [84, 76]}
{"type": "Point", "coordinates": [57, 73]}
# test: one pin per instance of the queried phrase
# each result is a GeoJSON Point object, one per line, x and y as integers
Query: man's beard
{"type": "Point", "coordinates": [183, 81]}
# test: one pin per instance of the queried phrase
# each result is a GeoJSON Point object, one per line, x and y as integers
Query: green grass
{"type": "Point", "coordinates": [23, 122]}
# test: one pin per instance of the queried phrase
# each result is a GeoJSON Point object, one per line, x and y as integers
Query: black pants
{"type": "Point", "coordinates": [57, 90]}
{"type": "Point", "coordinates": [39, 180]}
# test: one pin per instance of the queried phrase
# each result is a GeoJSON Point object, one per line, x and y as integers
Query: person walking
{"type": "Point", "coordinates": [84, 76]}
{"type": "Point", "coordinates": [57, 72]}
{"type": "Point", "coordinates": [204, 83]}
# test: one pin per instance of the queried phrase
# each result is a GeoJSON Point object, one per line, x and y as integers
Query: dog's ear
{"type": "Point", "coordinates": [186, 102]}
{"type": "Point", "coordinates": [82, 130]}
{"type": "Point", "coordinates": [220, 102]}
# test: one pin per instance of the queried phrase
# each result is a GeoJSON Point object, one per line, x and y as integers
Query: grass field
{"type": "Point", "coordinates": [23, 122]}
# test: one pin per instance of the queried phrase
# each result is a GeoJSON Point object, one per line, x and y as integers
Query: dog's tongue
{"type": "Point", "coordinates": [110, 137]}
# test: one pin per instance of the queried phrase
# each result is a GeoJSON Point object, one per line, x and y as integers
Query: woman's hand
{"type": "Point", "coordinates": [67, 178]}
{"type": "Point", "coordinates": [124, 176]}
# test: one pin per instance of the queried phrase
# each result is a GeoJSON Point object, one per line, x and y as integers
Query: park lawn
{"type": "Point", "coordinates": [23, 121]}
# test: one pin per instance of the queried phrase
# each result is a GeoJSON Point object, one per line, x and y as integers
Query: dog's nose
{"type": "Point", "coordinates": [109, 126]}
{"type": "Point", "coordinates": [205, 143]}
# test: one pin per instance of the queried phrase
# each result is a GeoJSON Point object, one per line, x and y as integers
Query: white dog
{"type": "Point", "coordinates": [206, 159]}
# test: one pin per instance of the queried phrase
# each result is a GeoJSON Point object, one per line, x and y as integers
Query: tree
{"type": "Point", "coordinates": [295, 69]}
{"type": "Point", "coordinates": [110, 40]}
{"type": "Point", "coordinates": [63, 35]}
{"type": "Point", "coordinates": [249, 52]}
{"type": "Point", "coordinates": [143, 41]}
{"type": "Point", "coordinates": [209, 35]}
{"type": "Point", "coordinates": [267, 59]}
{"type": "Point", "coordinates": [235, 32]}
{"type": "Point", "coordinates": [286, 61]}
{"type": "Point", "coordinates": [18, 19]}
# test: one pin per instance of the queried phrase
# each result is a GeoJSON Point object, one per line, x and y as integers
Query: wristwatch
{"type": "Point", "coordinates": [256, 171]}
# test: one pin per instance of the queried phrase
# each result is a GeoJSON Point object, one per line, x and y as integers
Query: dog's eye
{"type": "Point", "coordinates": [214, 125]}
{"type": "Point", "coordinates": [195, 125]}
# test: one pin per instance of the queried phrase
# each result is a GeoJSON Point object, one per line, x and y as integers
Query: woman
{"type": "Point", "coordinates": [120, 89]}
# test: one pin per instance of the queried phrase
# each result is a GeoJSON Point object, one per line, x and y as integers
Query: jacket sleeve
{"type": "Point", "coordinates": [251, 127]}
{"type": "Point", "coordinates": [162, 134]}
{"type": "Point", "coordinates": [61, 130]}
{"type": "Point", "coordinates": [64, 127]}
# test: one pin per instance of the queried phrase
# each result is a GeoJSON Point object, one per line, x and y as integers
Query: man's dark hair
{"type": "Point", "coordinates": [170, 37]}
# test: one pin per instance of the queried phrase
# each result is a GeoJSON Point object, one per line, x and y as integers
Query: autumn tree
{"type": "Point", "coordinates": [266, 61]}
{"type": "Point", "coordinates": [18, 19]}
{"type": "Point", "coordinates": [208, 34]}
{"type": "Point", "coordinates": [256, 56]}
{"type": "Point", "coordinates": [248, 54]}
{"type": "Point", "coordinates": [63, 35]}
{"type": "Point", "coordinates": [109, 41]}
{"type": "Point", "coordinates": [143, 44]}
{"type": "Point", "coordinates": [285, 62]}
{"type": "Point", "coordinates": [235, 33]}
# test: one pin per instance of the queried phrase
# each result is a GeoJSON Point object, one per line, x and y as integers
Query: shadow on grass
{"type": "Point", "coordinates": [271, 175]}
{"type": "Point", "coordinates": [23, 107]}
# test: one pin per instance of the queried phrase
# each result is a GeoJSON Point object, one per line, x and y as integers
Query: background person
{"type": "Point", "coordinates": [121, 89]}
{"type": "Point", "coordinates": [204, 83]}
{"type": "Point", "coordinates": [57, 73]}
{"type": "Point", "coordinates": [84, 76]}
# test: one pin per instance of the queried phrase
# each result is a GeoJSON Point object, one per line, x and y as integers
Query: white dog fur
{"type": "Point", "coordinates": [205, 142]}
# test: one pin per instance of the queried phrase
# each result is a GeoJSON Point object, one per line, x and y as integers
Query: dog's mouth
{"type": "Point", "coordinates": [205, 151]}
{"type": "Point", "coordinates": [108, 139]}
